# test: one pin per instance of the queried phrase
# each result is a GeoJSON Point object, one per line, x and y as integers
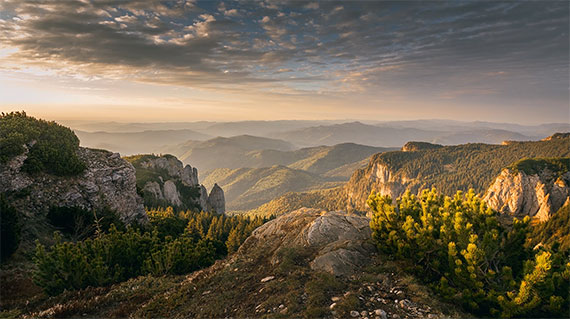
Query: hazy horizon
{"type": "Point", "coordinates": [274, 60]}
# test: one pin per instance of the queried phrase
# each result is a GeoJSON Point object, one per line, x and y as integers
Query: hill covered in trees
{"type": "Point", "coordinates": [49, 147]}
{"type": "Point", "coordinates": [449, 168]}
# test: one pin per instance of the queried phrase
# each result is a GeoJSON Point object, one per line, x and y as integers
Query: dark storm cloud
{"type": "Point", "coordinates": [424, 45]}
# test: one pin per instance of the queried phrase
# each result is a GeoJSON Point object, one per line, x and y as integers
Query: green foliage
{"type": "Point", "coordinates": [463, 167]}
{"type": "Point", "coordinates": [52, 147]}
{"type": "Point", "coordinates": [535, 165]}
{"type": "Point", "coordinates": [458, 245]}
{"type": "Point", "coordinates": [107, 259]}
{"type": "Point", "coordinates": [554, 231]}
{"type": "Point", "coordinates": [175, 243]}
{"type": "Point", "coordinates": [10, 229]}
{"type": "Point", "coordinates": [81, 223]}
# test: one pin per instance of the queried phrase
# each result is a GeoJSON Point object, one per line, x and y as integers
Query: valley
{"type": "Point", "coordinates": [276, 219]}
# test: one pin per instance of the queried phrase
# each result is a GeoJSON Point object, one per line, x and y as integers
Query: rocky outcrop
{"type": "Point", "coordinates": [174, 168]}
{"type": "Point", "coordinates": [338, 243]}
{"type": "Point", "coordinates": [107, 182]}
{"type": "Point", "coordinates": [171, 193]}
{"type": "Point", "coordinates": [165, 181]}
{"type": "Point", "coordinates": [557, 136]}
{"type": "Point", "coordinates": [537, 195]}
{"type": "Point", "coordinates": [376, 177]}
{"type": "Point", "coordinates": [419, 146]}
{"type": "Point", "coordinates": [216, 201]}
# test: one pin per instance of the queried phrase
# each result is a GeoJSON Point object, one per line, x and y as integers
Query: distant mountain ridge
{"type": "Point", "coordinates": [132, 143]}
{"type": "Point", "coordinates": [389, 136]}
{"type": "Point", "coordinates": [256, 152]}
{"type": "Point", "coordinates": [304, 169]}
{"type": "Point", "coordinates": [139, 138]}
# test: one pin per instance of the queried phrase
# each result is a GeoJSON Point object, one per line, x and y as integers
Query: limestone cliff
{"type": "Point", "coordinates": [537, 191]}
{"type": "Point", "coordinates": [376, 177]}
{"type": "Point", "coordinates": [165, 181]}
{"type": "Point", "coordinates": [107, 182]}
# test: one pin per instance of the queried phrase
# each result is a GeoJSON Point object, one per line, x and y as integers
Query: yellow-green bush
{"type": "Point", "coordinates": [458, 246]}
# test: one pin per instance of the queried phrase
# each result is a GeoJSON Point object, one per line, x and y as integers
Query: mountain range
{"type": "Point", "coordinates": [137, 138]}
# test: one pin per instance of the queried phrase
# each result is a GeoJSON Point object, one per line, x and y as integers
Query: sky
{"type": "Point", "coordinates": [500, 61]}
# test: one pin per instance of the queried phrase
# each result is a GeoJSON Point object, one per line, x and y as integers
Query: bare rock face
{"type": "Point", "coordinates": [187, 174]}
{"type": "Point", "coordinates": [538, 195]}
{"type": "Point", "coordinates": [339, 243]}
{"type": "Point", "coordinates": [175, 179]}
{"type": "Point", "coordinates": [203, 197]}
{"type": "Point", "coordinates": [171, 194]}
{"type": "Point", "coordinates": [419, 146]}
{"type": "Point", "coordinates": [216, 201]}
{"type": "Point", "coordinates": [154, 189]}
{"type": "Point", "coordinates": [108, 181]}
{"type": "Point", "coordinates": [379, 178]}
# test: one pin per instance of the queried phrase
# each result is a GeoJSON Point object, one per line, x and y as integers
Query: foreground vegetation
{"type": "Point", "coordinates": [459, 247]}
{"type": "Point", "coordinates": [173, 243]}
{"type": "Point", "coordinates": [52, 147]}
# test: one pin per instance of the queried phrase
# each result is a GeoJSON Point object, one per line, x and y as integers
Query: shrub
{"type": "Point", "coordinates": [178, 243]}
{"type": "Point", "coordinates": [81, 223]}
{"type": "Point", "coordinates": [459, 247]}
{"type": "Point", "coordinates": [10, 228]}
{"type": "Point", "coordinates": [52, 147]}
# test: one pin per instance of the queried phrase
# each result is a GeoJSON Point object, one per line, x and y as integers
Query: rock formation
{"type": "Point", "coordinates": [379, 178]}
{"type": "Point", "coordinates": [339, 242]}
{"type": "Point", "coordinates": [216, 201]}
{"type": "Point", "coordinates": [418, 146]}
{"type": "Point", "coordinates": [108, 181]}
{"type": "Point", "coordinates": [166, 181]}
{"type": "Point", "coordinates": [187, 174]}
{"type": "Point", "coordinates": [536, 195]}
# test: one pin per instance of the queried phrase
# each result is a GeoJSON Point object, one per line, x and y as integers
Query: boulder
{"type": "Point", "coordinates": [339, 243]}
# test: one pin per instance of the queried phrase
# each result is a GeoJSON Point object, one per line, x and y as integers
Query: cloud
{"type": "Point", "coordinates": [344, 47]}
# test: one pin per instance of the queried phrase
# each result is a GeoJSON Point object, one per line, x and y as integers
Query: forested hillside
{"type": "Point", "coordinates": [50, 147]}
{"type": "Point", "coordinates": [450, 168]}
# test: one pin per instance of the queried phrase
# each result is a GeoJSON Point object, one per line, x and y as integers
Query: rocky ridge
{"type": "Point", "coordinates": [537, 195]}
{"type": "Point", "coordinates": [107, 182]}
{"type": "Point", "coordinates": [166, 180]}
